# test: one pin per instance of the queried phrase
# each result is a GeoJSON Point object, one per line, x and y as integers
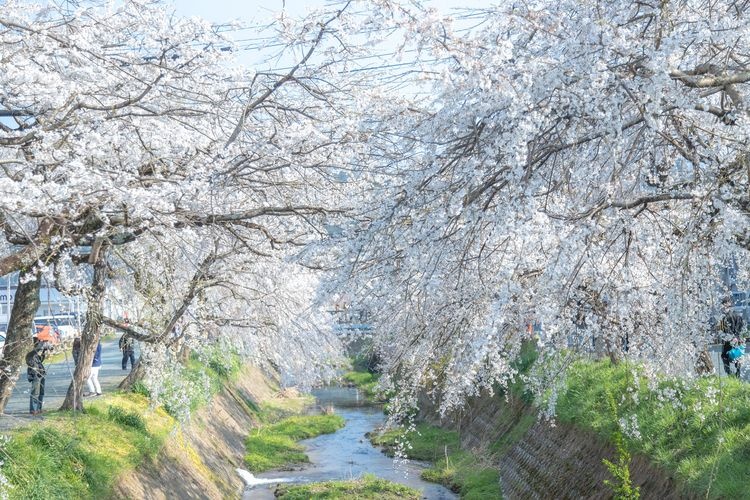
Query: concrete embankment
{"type": "Point", "coordinates": [539, 460]}
{"type": "Point", "coordinates": [199, 459]}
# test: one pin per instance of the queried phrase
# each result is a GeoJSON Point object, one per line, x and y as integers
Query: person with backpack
{"type": "Point", "coordinates": [732, 326]}
{"type": "Point", "coordinates": [36, 374]}
{"type": "Point", "coordinates": [127, 346]}
{"type": "Point", "coordinates": [93, 381]}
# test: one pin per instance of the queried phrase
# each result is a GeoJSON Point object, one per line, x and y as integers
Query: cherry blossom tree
{"type": "Point", "coordinates": [580, 165]}
{"type": "Point", "coordinates": [131, 125]}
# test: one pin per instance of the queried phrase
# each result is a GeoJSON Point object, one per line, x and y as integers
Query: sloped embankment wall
{"type": "Point", "coordinates": [540, 460]}
{"type": "Point", "coordinates": [565, 462]}
{"type": "Point", "coordinates": [199, 460]}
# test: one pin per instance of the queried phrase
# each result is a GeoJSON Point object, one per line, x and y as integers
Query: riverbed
{"type": "Point", "coordinates": [347, 453]}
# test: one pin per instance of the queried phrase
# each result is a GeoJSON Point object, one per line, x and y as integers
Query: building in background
{"type": "Point", "coordinates": [52, 303]}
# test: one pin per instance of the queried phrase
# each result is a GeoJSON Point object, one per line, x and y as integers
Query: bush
{"type": "Point", "coordinates": [126, 418]}
{"type": "Point", "coordinates": [140, 388]}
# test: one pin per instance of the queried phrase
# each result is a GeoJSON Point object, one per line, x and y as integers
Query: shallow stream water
{"type": "Point", "coordinates": [347, 453]}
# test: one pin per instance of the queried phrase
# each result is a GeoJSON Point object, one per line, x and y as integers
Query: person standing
{"type": "Point", "coordinates": [76, 349]}
{"type": "Point", "coordinates": [93, 381]}
{"type": "Point", "coordinates": [36, 374]}
{"type": "Point", "coordinates": [127, 346]}
{"type": "Point", "coordinates": [732, 326]}
{"type": "Point", "coordinates": [725, 348]}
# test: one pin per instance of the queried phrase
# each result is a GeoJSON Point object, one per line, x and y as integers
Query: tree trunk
{"type": "Point", "coordinates": [704, 365]}
{"type": "Point", "coordinates": [183, 355]}
{"type": "Point", "coordinates": [18, 337]}
{"type": "Point", "coordinates": [90, 334]}
{"type": "Point", "coordinates": [136, 375]}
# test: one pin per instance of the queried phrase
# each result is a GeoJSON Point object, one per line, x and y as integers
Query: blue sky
{"type": "Point", "coordinates": [225, 10]}
{"type": "Point", "coordinates": [254, 12]}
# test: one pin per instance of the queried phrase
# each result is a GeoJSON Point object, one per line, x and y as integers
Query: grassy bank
{"type": "Point", "coordinates": [290, 404]}
{"type": "Point", "coordinates": [367, 487]}
{"type": "Point", "coordinates": [699, 431]}
{"type": "Point", "coordinates": [364, 381]}
{"type": "Point", "coordinates": [80, 456]}
{"type": "Point", "coordinates": [275, 446]}
{"type": "Point", "coordinates": [458, 470]}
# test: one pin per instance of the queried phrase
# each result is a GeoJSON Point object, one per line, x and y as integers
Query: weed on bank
{"type": "Point", "coordinates": [454, 468]}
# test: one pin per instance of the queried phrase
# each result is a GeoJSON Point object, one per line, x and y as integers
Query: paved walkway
{"type": "Point", "coordinates": [57, 382]}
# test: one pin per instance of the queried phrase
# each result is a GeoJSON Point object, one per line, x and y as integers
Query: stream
{"type": "Point", "coordinates": [347, 453]}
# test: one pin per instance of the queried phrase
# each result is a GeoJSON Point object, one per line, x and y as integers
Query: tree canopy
{"type": "Point", "coordinates": [582, 166]}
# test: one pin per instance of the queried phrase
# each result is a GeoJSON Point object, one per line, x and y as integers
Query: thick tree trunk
{"type": "Point", "coordinates": [136, 375]}
{"type": "Point", "coordinates": [18, 337]}
{"type": "Point", "coordinates": [89, 336]}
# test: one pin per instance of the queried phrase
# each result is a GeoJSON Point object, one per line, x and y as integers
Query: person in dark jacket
{"type": "Point", "coordinates": [732, 325]}
{"type": "Point", "coordinates": [76, 350]}
{"type": "Point", "coordinates": [725, 348]}
{"type": "Point", "coordinates": [127, 346]}
{"type": "Point", "coordinates": [36, 374]}
{"type": "Point", "coordinates": [93, 381]}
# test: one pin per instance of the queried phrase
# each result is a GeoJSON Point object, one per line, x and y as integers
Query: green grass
{"type": "Point", "coordinates": [275, 446]}
{"type": "Point", "coordinates": [367, 487]}
{"type": "Point", "coordinates": [704, 441]}
{"type": "Point", "coordinates": [461, 471]}
{"type": "Point", "coordinates": [81, 456]}
{"type": "Point", "coordinates": [273, 410]}
{"type": "Point", "coordinates": [367, 382]}
{"type": "Point", "coordinates": [426, 442]}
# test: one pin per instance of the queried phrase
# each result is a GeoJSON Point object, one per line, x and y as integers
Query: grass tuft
{"type": "Point", "coordinates": [367, 487]}
{"type": "Point", "coordinates": [275, 446]}
{"type": "Point", "coordinates": [126, 418]}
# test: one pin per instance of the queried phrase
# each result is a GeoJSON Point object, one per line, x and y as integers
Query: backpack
{"type": "Point", "coordinates": [736, 352]}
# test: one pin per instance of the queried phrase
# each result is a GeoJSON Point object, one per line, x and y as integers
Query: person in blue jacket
{"type": "Point", "coordinates": [732, 325]}
{"type": "Point", "coordinates": [93, 381]}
